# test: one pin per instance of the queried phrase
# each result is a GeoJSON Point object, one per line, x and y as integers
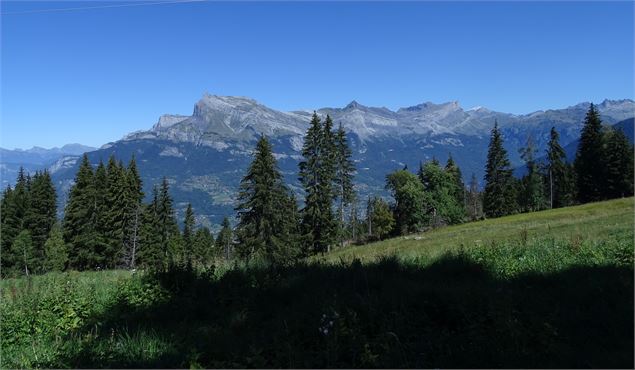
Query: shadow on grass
{"type": "Point", "coordinates": [387, 314]}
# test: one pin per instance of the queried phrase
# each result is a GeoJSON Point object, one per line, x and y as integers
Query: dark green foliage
{"type": "Point", "coordinates": [188, 234]}
{"type": "Point", "coordinates": [264, 230]}
{"type": "Point", "coordinates": [588, 161]}
{"type": "Point", "coordinates": [167, 227]}
{"type": "Point", "coordinates": [618, 165]}
{"type": "Point", "coordinates": [80, 221]}
{"type": "Point", "coordinates": [499, 196]}
{"type": "Point", "coordinates": [474, 201]}
{"type": "Point", "coordinates": [116, 217]}
{"type": "Point", "coordinates": [379, 219]}
{"type": "Point", "coordinates": [442, 188]}
{"type": "Point", "coordinates": [203, 249]}
{"type": "Point", "coordinates": [531, 193]}
{"type": "Point", "coordinates": [344, 173]}
{"type": "Point", "coordinates": [458, 187]}
{"type": "Point", "coordinates": [55, 251]}
{"type": "Point", "coordinates": [41, 214]}
{"type": "Point", "coordinates": [24, 258]}
{"type": "Point", "coordinates": [317, 173]}
{"type": "Point", "coordinates": [412, 203]}
{"type": "Point", "coordinates": [225, 240]}
{"type": "Point", "coordinates": [559, 189]}
{"type": "Point", "coordinates": [15, 207]}
{"type": "Point", "coordinates": [152, 251]}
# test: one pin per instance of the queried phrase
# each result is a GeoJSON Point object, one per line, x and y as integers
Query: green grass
{"type": "Point", "coordinates": [548, 289]}
{"type": "Point", "coordinates": [590, 222]}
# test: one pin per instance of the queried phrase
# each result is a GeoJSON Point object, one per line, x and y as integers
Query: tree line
{"type": "Point", "coordinates": [107, 225]}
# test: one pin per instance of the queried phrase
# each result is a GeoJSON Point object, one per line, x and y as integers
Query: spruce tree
{"type": "Point", "coordinates": [344, 172]}
{"type": "Point", "coordinates": [412, 202]}
{"type": "Point", "coordinates": [618, 161]}
{"type": "Point", "coordinates": [558, 177]}
{"type": "Point", "coordinates": [133, 213]}
{"type": "Point", "coordinates": [589, 174]}
{"type": "Point", "coordinates": [167, 226]}
{"type": "Point", "coordinates": [116, 217]}
{"type": "Point", "coordinates": [41, 214]}
{"type": "Point", "coordinates": [224, 240]}
{"type": "Point", "coordinates": [263, 200]}
{"type": "Point", "coordinates": [80, 221]}
{"type": "Point", "coordinates": [317, 172]}
{"type": "Point", "coordinates": [9, 228]}
{"type": "Point", "coordinates": [188, 234]}
{"type": "Point", "coordinates": [457, 185]}
{"type": "Point", "coordinates": [55, 250]}
{"type": "Point", "coordinates": [532, 196]}
{"type": "Point", "coordinates": [499, 196]}
{"type": "Point", "coordinates": [151, 253]}
{"type": "Point", "coordinates": [203, 249]}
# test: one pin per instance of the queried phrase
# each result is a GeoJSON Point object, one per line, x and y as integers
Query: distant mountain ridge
{"type": "Point", "coordinates": [204, 155]}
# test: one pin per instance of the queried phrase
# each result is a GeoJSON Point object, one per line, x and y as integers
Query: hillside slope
{"type": "Point", "coordinates": [589, 222]}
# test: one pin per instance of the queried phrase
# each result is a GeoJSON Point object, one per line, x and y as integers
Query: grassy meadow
{"type": "Point", "coordinates": [546, 289]}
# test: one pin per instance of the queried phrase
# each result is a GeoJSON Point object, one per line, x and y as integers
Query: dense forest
{"type": "Point", "coordinates": [107, 225]}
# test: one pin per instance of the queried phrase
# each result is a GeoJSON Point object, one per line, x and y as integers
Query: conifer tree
{"type": "Point", "coordinates": [224, 240]}
{"type": "Point", "coordinates": [458, 187]}
{"type": "Point", "coordinates": [532, 195]}
{"type": "Point", "coordinates": [344, 172]}
{"type": "Point", "coordinates": [10, 228]}
{"type": "Point", "coordinates": [167, 226]}
{"type": "Point", "coordinates": [133, 213]}
{"type": "Point", "coordinates": [55, 250]}
{"type": "Point", "coordinates": [152, 252]}
{"type": "Point", "coordinates": [441, 191]}
{"type": "Point", "coordinates": [590, 175]}
{"type": "Point", "coordinates": [116, 217]}
{"type": "Point", "coordinates": [188, 234]}
{"type": "Point", "coordinates": [618, 160]}
{"type": "Point", "coordinates": [80, 221]}
{"type": "Point", "coordinates": [474, 204]}
{"type": "Point", "coordinates": [317, 172]}
{"type": "Point", "coordinates": [41, 214]}
{"type": "Point", "coordinates": [558, 178]}
{"type": "Point", "coordinates": [263, 228]}
{"type": "Point", "coordinates": [499, 197]}
{"type": "Point", "coordinates": [203, 248]}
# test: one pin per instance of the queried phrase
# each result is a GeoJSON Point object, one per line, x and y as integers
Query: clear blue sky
{"type": "Point", "coordinates": [93, 75]}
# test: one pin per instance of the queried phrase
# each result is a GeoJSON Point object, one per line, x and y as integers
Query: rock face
{"type": "Point", "coordinates": [204, 155]}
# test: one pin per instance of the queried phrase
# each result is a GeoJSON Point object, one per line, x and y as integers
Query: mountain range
{"type": "Point", "coordinates": [204, 155]}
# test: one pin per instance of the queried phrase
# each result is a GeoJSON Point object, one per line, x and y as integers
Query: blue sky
{"type": "Point", "coordinates": [93, 75]}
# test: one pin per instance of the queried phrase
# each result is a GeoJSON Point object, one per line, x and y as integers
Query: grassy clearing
{"type": "Point", "coordinates": [486, 294]}
{"type": "Point", "coordinates": [594, 222]}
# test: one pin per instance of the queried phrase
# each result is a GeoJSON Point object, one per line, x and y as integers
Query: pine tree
{"type": "Point", "coordinates": [9, 229]}
{"type": "Point", "coordinates": [41, 214]}
{"type": "Point", "coordinates": [499, 197]}
{"type": "Point", "coordinates": [532, 196]}
{"type": "Point", "coordinates": [317, 172]}
{"type": "Point", "coordinates": [263, 200]}
{"type": "Point", "coordinates": [224, 240]}
{"type": "Point", "coordinates": [558, 177]}
{"type": "Point", "coordinates": [474, 203]}
{"type": "Point", "coordinates": [188, 234]}
{"type": "Point", "coordinates": [24, 254]}
{"type": "Point", "coordinates": [167, 226]}
{"type": "Point", "coordinates": [618, 160]}
{"type": "Point", "coordinates": [80, 221]}
{"type": "Point", "coordinates": [344, 172]}
{"type": "Point", "coordinates": [590, 175]}
{"type": "Point", "coordinates": [133, 213]}
{"type": "Point", "coordinates": [116, 217]}
{"type": "Point", "coordinates": [152, 253]}
{"type": "Point", "coordinates": [55, 250]}
{"type": "Point", "coordinates": [203, 248]}
{"type": "Point", "coordinates": [458, 187]}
